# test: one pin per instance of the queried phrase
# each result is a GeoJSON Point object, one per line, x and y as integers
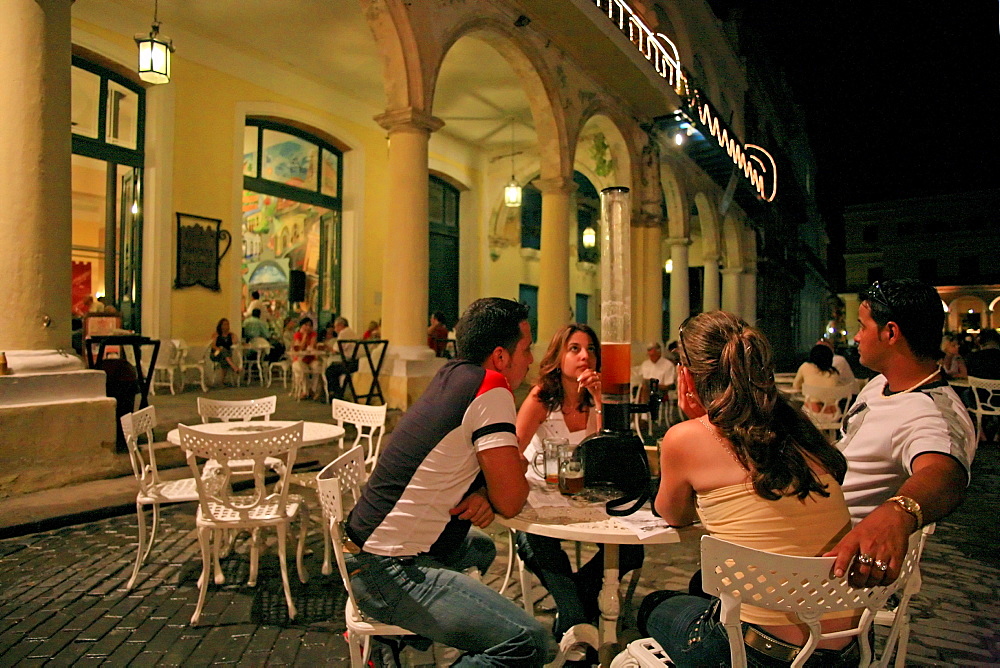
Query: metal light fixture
{"type": "Point", "coordinates": [512, 193]}
{"type": "Point", "coordinates": [589, 237]}
{"type": "Point", "coordinates": [154, 52]}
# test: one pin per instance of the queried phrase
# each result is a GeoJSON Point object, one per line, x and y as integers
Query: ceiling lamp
{"type": "Point", "coordinates": [589, 237]}
{"type": "Point", "coordinates": [154, 52]}
{"type": "Point", "coordinates": [512, 193]}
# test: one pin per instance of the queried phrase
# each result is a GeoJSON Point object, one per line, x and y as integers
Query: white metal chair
{"type": "Point", "coordinates": [801, 586]}
{"type": "Point", "coordinates": [369, 421]}
{"type": "Point", "coordinates": [166, 367]}
{"type": "Point", "coordinates": [898, 619]}
{"type": "Point", "coordinates": [220, 509]}
{"type": "Point", "coordinates": [152, 490]}
{"type": "Point", "coordinates": [254, 360]}
{"type": "Point", "coordinates": [346, 474]}
{"type": "Point", "coordinates": [239, 410]}
{"type": "Point", "coordinates": [284, 367]}
{"type": "Point", "coordinates": [825, 405]}
{"type": "Point", "coordinates": [986, 393]}
{"type": "Point", "coordinates": [191, 359]}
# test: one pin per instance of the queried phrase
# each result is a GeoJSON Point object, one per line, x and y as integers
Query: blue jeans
{"type": "Point", "coordinates": [431, 598]}
{"type": "Point", "coordinates": [688, 628]}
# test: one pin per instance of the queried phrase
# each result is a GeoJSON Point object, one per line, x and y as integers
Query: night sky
{"type": "Point", "coordinates": [901, 98]}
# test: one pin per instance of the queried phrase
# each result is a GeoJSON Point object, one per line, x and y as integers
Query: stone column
{"type": "Point", "coordinates": [712, 298]}
{"type": "Point", "coordinates": [407, 254]}
{"type": "Point", "coordinates": [56, 424]}
{"type": "Point", "coordinates": [749, 290]}
{"type": "Point", "coordinates": [35, 179]}
{"type": "Point", "coordinates": [553, 284]}
{"type": "Point", "coordinates": [731, 290]}
{"type": "Point", "coordinates": [680, 296]}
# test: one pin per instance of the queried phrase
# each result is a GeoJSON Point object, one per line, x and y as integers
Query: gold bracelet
{"type": "Point", "coordinates": [910, 506]}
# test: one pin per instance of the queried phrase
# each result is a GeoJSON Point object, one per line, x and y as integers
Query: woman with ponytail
{"type": "Point", "coordinates": [756, 472]}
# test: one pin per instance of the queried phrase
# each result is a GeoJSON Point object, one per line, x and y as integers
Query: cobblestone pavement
{"type": "Point", "coordinates": [63, 602]}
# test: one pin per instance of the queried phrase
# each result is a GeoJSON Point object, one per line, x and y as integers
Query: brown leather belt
{"type": "Point", "coordinates": [781, 650]}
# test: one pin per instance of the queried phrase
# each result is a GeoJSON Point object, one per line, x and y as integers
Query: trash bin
{"type": "Point", "coordinates": [122, 385]}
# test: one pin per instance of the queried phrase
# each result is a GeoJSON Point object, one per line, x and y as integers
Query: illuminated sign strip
{"type": "Point", "coordinates": [756, 163]}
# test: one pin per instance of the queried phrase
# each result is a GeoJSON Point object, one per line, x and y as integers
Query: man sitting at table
{"type": "Point", "coordinates": [338, 366]}
{"type": "Point", "coordinates": [451, 462]}
{"type": "Point", "coordinates": [908, 441]}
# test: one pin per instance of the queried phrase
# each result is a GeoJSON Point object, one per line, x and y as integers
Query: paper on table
{"type": "Point", "coordinates": [644, 524]}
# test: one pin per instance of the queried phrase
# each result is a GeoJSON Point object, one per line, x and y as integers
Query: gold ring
{"type": "Point", "coordinates": [865, 559]}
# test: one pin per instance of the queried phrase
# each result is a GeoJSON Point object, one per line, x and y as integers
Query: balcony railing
{"type": "Point", "coordinates": [656, 48]}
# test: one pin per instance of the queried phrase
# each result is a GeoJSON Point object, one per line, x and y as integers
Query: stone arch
{"type": "Point", "coordinates": [732, 243]}
{"type": "Point", "coordinates": [708, 217]}
{"type": "Point", "coordinates": [961, 305]}
{"type": "Point", "coordinates": [402, 54]}
{"type": "Point", "coordinates": [678, 221]}
{"type": "Point", "coordinates": [538, 83]}
{"type": "Point", "coordinates": [610, 121]}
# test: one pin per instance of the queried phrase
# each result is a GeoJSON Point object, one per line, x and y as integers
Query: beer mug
{"type": "Point", "coordinates": [571, 473]}
{"type": "Point", "coordinates": [549, 459]}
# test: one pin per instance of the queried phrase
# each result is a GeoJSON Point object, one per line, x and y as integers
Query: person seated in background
{"type": "Point", "coordinates": [222, 348]}
{"type": "Point", "coordinates": [339, 366]}
{"type": "Point", "coordinates": [305, 340]}
{"type": "Point", "coordinates": [985, 362]}
{"type": "Point", "coordinates": [328, 336]}
{"type": "Point", "coordinates": [840, 362]}
{"type": "Point", "coordinates": [952, 362]}
{"type": "Point", "coordinates": [255, 304]}
{"type": "Point", "coordinates": [756, 472]}
{"type": "Point", "coordinates": [374, 331]}
{"type": "Point", "coordinates": [819, 372]}
{"type": "Point", "coordinates": [566, 402]}
{"type": "Point", "coordinates": [254, 327]}
{"type": "Point", "coordinates": [437, 334]}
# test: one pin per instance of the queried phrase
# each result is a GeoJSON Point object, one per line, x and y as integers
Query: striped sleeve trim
{"type": "Point", "coordinates": [495, 428]}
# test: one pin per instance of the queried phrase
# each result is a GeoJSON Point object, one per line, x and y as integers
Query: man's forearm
{"type": "Point", "coordinates": [938, 484]}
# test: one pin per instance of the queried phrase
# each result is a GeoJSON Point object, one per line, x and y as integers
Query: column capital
{"type": "Point", "coordinates": [732, 270]}
{"type": "Point", "coordinates": [711, 257]}
{"type": "Point", "coordinates": [679, 241]}
{"type": "Point", "coordinates": [557, 185]}
{"type": "Point", "coordinates": [647, 220]}
{"type": "Point", "coordinates": [409, 120]}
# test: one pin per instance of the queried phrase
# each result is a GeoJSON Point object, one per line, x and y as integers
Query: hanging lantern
{"type": "Point", "coordinates": [154, 53]}
{"type": "Point", "coordinates": [589, 237]}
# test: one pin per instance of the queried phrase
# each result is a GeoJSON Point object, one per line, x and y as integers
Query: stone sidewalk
{"type": "Point", "coordinates": [63, 602]}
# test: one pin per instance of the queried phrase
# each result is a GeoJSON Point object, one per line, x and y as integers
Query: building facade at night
{"type": "Point", "coordinates": [947, 241]}
{"type": "Point", "coordinates": [353, 155]}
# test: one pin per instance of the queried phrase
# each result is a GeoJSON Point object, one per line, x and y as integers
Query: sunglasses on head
{"type": "Point", "coordinates": [876, 294]}
{"type": "Point", "coordinates": [680, 337]}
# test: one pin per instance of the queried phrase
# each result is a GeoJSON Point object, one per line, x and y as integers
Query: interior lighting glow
{"type": "Point", "coordinates": [679, 138]}
{"type": "Point", "coordinates": [589, 237]}
{"type": "Point", "coordinates": [669, 266]}
{"type": "Point", "coordinates": [512, 194]}
{"type": "Point", "coordinates": [135, 208]}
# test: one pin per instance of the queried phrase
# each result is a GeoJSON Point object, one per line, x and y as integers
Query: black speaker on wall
{"type": "Point", "coordinates": [296, 286]}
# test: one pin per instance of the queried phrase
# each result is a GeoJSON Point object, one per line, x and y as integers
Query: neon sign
{"type": "Point", "coordinates": [756, 163]}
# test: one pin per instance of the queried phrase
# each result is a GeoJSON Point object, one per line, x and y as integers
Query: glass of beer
{"type": "Point", "coordinates": [571, 471]}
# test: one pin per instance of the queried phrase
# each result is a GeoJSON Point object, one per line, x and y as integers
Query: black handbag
{"type": "Point", "coordinates": [617, 459]}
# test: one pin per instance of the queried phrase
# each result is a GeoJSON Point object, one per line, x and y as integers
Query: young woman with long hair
{"type": "Point", "coordinates": [756, 472]}
{"type": "Point", "coordinates": [565, 402]}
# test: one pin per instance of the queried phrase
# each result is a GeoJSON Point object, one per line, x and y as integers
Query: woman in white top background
{"type": "Point", "coordinates": [817, 371]}
{"type": "Point", "coordinates": [565, 402]}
